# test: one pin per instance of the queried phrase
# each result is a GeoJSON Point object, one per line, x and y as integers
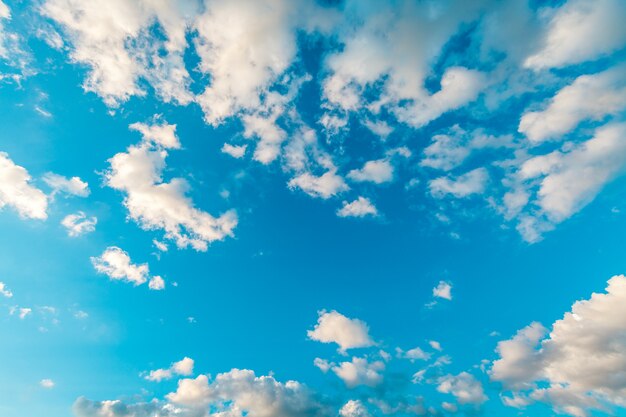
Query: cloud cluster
{"type": "Point", "coordinates": [156, 204]}
{"type": "Point", "coordinates": [579, 365]}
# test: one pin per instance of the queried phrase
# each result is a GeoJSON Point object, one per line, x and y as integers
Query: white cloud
{"type": "Point", "coordinates": [160, 245]}
{"type": "Point", "coordinates": [464, 386]}
{"type": "Point", "coordinates": [354, 408]}
{"type": "Point", "coordinates": [72, 186]}
{"type": "Point", "coordinates": [378, 172]}
{"type": "Point", "coordinates": [4, 291]}
{"type": "Point", "coordinates": [333, 327]}
{"type": "Point", "coordinates": [22, 312]}
{"type": "Point", "coordinates": [443, 290]}
{"type": "Point", "coordinates": [435, 345]}
{"type": "Point", "coordinates": [234, 151]}
{"type": "Point", "coordinates": [162, 134]}
{"type": "Point", "coordinates": [78, 224]}
{"type": "Point", "coordinates": [47, 383]}
{"type": "Point", "coordinates": [360, 372]}
{"type": "Point", "coordinates": [183, 367]}
{"type": "Point", "coordinates": [325, 186]}
{"type": "Point", "coordinates": [17, 192]}
{"type": "Point", "coordinates": [413, 354]}
{"type": "Point", "coordinates": [577, 366]}
{"type": "Point", "coordinates": [156, 283]}
{"type": "Point", "coordinates": [579, 31]}
{"type": "Point", "coordinates": [112, 38]}
{"type": "Point", "coordinates": [572, 179]}
{"type": "Point", "coordinates": [241, 392]}
{"type": "Point", "coordinates": [360, 207]}
{"type": "Point", "coordinates": [472, 182]}
{"type": "Point", "coordinates": [588, 97]}
{"type": "Point", "coordinates": [116, 263]}
{"type": "Point", "coordinates": [156, 204]}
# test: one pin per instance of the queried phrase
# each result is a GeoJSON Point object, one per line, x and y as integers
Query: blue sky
{"type": "Point", "coordinates": [298, 209]}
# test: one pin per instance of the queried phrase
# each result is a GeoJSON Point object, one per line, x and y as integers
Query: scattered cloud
{"type": "Point", "coordinates": [71, 186]}
{"type": "Point", "coordinates": [334, 327]}
{"type": "Point", "coordinates": [361, 207]}
{"type": "Point", "coordinates": [79, 224]}
{"type": "Point", "coordinates": [17, 192]}
{"type": "Point", "coordinates": [183, 367]}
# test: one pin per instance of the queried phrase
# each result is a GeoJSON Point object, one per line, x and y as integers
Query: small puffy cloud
{"type": "Point", "coordinates": [443, 290]}
{"type": "Point", "coordinates": [78, 224]}
{"type": "Point", "coordinates": [22, 312]}
{"type": "Point", "coordinates": [573, 34]}
{"type": "Point", "coordinates": [472, 182]}
{"type": "Point", "coordinates": [325, 186]}
{"type": "Point", "coordinates": [156, 283]}
{"type": "Point", "coordinates": [360, 371]}
{"type": "Point", "coordinates": [163, 134]}
{"type": "Point", "coordinates": [588, 97]}
{"type": "Point", "coordinates": [160, 245]}
{"type": "Point", "coordinates": [234, 151]}
{"type": "Point", "coordinates": [156, 204]}
{"type": "Point", "coordinates": [4, 291]}
{"type": "Point", "coordinates": [435, 345]}
{"type": "Point", "coordinates": [46, 383]}
{"type": "Point", "coordinates": [17, 192]}
{"type": "Point", "coordinates": [116, 263]}
{"type": "Point", "coordinates": [379, 171]}
{"type": "Point", "coordinates": [81, 315]}
{"type": "Point", "coordinates": [578, 365]}
{"type": "Point", "coordinates": [334, 327]}
{"type": "Point", "coordinates": [183, 367]}
{"type": "Point", "coordinates": [322, 364]}
{"type": "Point", "coordinates": [71, 186]}
{"type": "Point", "coordinates": [413, 354]}
{"type": "Point", "coordinates": [464, 386]}
{"type": "Point", "coordinates": [361, 207]}
{"type": "Point", "coordinates": [354, 408]}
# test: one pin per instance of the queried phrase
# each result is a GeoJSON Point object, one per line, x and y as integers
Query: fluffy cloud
{"type": "Point", "coordinates": [234, 151]}
{"type": "Point", "coordinates": [72, 186]}
{"type": "Point", "coordinates": [183, 367]}
{"type": "Point", "coordinates": [113, 39]}
{"type": "Point", "coordinates": [156, 283]}
{"type": "Point", "coordinates": [241, 392]}
{"type": "Point", "coordinates": [156, 204]}
{"type": "Point", "coordinates": [378, 172]}
{"type": "Point", "coordinates": [579, 365]}
{"type": "Point", "coordinates": [588, 97]}
{"type": "Point", "coordinates": [78, 224]}
{"type": "Point", "coordinates": [570, 180]}
{"type": "Point", "coordinates": [360, 207]}
{"type": "Point", "coordinates": [472, 182]}
{"type": "Point", "coordinates": [466, 388]}
{"type": "Point", "coordinates": [324, 186]}
{"type": "Point", "coordinates": [17, 192]}
{"type": "Point", "coordinates": [116, 264]}
{"type": "Point", "coordinates": [573, 34]}
{"type": "Point", "coordinates": [334, 327]}
{"type": "Point", "coordinates": [443, 290]}
{"type": "Point", "coordinates": [115, 408]}
{"type": "Point", "coordinates": [360, 371]}
{"type": "Point", "coordinates": [354, 408]}
{"type": "Point", "coordinates": [4, 291]}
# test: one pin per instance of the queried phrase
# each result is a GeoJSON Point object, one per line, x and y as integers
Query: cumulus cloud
{"type": "Point", "coordinates": [378, 172]}
{"type": "Point", "coordinates": [241, 392]}
{"type": "Point", "coordinates": [4, 291]}
{"type": "Point", "coordinates": [17, 192]}
{"type": "Point", "coordinates": [71, 186]}
{"type": "Point", "coordinates": [113, 39]}
{"type": "Point", "coordinates": [472, 182]}
{"type": "Point", "coordinates": [360, 371]}
{"type": "Point", "coordinates": [334, 327]}
{"type": "Point", "coordinates": [360, 207]}
{"type": "Point", "coordinates": [183, 367]}
{"type": "Point", "coordinates": [464, 386]}
{"type": "Point", "coordinates": [234, 151]}
{"type": "Point", "coordinates": [354, 408]}
{"type": "Point", "coordinates": [156, 204]}
{"type": "Point", "coordinates": [78, 224]}
{"type": "Point", "coordinates": [117, 265]}
{"type": "Point", "coordinates": [324, 186]}
{"type": "Point", "coordinates": [578, 365]}
{"type": "Point", "coordinates": [443, 290]}
{"type": "Point", "coordinates": [569, 180]}
{"type": "Point", "coordinates": [573, 34]}
{"type": "Point", "coordinates": [156, 283]}
{"type": "Point", "coordinates": [588, 97]}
